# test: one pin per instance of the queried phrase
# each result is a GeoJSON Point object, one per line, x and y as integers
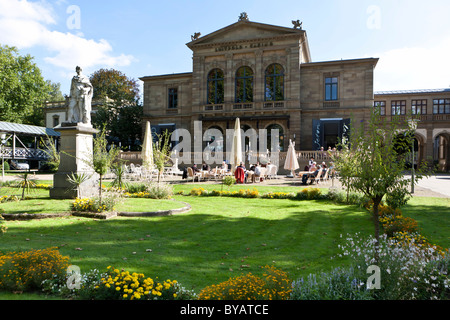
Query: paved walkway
{"type": "Point", "coordinates": [439, 183]}
{"type": "Point", "coordinates": [435, 186]}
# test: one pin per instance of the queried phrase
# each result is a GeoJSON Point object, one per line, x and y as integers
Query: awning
{"type": "Point", "coordinates": [23, 129]}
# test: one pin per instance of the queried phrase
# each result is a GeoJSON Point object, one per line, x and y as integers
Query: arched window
{"type": "Point", "coordinates": [244, 85]}
{"type": "Point", "coordinates": [216, 139]}
{"type": "Point", "coordinates": [270, 136]}
{"type": "Point", "coordinates": [274, 90]}
{"type": "Point", "coordinates": [215, 87]}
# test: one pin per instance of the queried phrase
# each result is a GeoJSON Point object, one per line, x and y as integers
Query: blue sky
{"type": "Point", "coordinates": [148, 37]}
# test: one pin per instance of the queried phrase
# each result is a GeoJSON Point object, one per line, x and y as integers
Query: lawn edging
{"type": "Point", "coordinates": [98, 215]}
{"type": "Point", "coordinates": [187, 207]}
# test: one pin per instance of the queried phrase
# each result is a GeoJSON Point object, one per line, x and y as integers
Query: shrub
{"type": "Point", "coordinates": [198, 192]}
{"type": "Point", "coordinates": [272, 285]}
{"type": "Point", "coordinates": [404, 267]}
{"type": "Point", "coordinates": [136, 187]}
{"type": "Point", "coordinates": [123, 285]}
{"type": "Point", "coordinates": [398, 223]}
{"type": "Point", "coordinates": [106, 204]}
{"type": "Point", "coordinates": [160, 191]}
{"type": "Point", "coordinates": [9, 199]}
{"type": "Point", "coordinates": [278, 195]}
{"type": "Point", "coordinates": [339, 284]}
{"type": "Point", "coordinates": [228, 181]}
{"type": "Point", "coordinates": [25, 271]}
{"type": "Point", "coordinates": [3, 227]}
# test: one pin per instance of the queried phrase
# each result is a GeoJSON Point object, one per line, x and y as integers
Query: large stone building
{"type": "Point", "coordinates": [264, 75]}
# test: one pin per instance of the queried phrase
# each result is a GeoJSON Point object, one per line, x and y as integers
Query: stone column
{"type": "Point", "coordinates": [77, 143]}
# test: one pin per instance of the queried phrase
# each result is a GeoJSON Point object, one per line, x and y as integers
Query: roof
{"type": "Point", "coordinates": [278, 30]}
{"type": "Point", "coordinates": [334, 62]}
{"type": "Point", "coordinates": [419, 91]}
{"type": "Point", "coordinates": [24, 129]}
{"type": "Point", "coordinates": [167, 76]}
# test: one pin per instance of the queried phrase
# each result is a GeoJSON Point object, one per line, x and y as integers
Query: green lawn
{"type": "Point", "coordinates": [219, 238]}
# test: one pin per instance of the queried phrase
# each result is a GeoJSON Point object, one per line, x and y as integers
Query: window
{"type": "Point", "coordinates": [244, 85]}
{"type": "Point", "coordinates": [441, 106]}
{"type": "Point", "coordinates": [381, 105]}
{"type": "Point", "coordinates": [331, 89]}
{"type": "Point", "coordinates": [173, 98]}
{"type": "Point", "coordinates": [216, 92]}
{"type": "Point", "coordinates": [55, 121]}
{"type": "Point", "coordinates": [280, 136]}
{"type": "Point", "coordinates": [419, 107]}
{"type": "Point", "coordinates": [274, 90]}
{"type": "Point", "coordinates": [398, 108]}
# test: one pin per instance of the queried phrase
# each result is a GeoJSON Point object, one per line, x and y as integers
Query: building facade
{"type": "Point", "coordinates": [264, 75]}
{"type": "Point", "coordinates": [432, 109]}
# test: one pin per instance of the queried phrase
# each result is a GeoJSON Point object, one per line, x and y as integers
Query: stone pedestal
{"type": "Point", "coordinates": [76, 149]}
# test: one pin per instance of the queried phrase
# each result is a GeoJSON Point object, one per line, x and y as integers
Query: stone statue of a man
{"type": "Point", "coordinates": [80, 102]}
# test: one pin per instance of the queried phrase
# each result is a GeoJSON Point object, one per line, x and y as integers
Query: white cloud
{"type": "Point", "coordinates": [26, 24]}
{"type": "Point", "coordinates": [414, 68]}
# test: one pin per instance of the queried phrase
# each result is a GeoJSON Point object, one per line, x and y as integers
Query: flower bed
{"type": "Point", "coordinates": [25, 271]}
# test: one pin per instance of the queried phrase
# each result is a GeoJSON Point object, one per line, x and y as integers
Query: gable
{"type": "Point", "coordinates": [244, 31]}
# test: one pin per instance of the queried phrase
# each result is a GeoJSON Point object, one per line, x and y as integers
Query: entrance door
{"type": "Point", "coordinates": [327, 133]}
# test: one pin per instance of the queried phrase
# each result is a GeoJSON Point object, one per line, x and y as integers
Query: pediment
{"type": "Point", "coordinates": [244, 31]}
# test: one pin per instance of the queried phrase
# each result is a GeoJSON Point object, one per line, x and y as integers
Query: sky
{"type": "Point", "coordinates": [148, 37]}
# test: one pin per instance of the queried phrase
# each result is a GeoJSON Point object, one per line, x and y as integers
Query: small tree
{"type": "Point", "coordinates": [369, 163]}
{"type": "Point", "coordinates": [26, 184]}
{"type": "Point", "coordinates": [101, 158]}
{"type": "Point", "coordinates": [76, 180]}
{"type": "Point", "coordinates": [161, 152]}
{"type": "Point", "coordinates": [119, 173]}
{"type": "Point", "coordinates": [53, 156]}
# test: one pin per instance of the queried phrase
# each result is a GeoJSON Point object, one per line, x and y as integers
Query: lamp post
{"type": "Point", "coordinates": [3, 142]}
{"type": "Point", "coordinates": [413, 126]}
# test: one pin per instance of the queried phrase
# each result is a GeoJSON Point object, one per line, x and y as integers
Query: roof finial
{"type": "Point", "coordinates": [297, 24]}
{"type": "Point", "coordinates": [243, 16]}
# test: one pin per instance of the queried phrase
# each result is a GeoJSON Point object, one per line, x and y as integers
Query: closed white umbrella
{"type": "Point", "coordinates": [291, 163]}
{"type": "Point", "coordinates": [147, 148]}
{"type": "Point", "coordinates": [236, 147]}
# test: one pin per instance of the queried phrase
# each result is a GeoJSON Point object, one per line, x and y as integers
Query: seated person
{"type": "Point", "coordinates": [241, 165]}
{"type": "Point", "coordinates": [195, 169]}
{"type": "Point", "coordinates": [206, 167]}
{"type": "Point", "coordinates": [312, 170]}
{"type": "Point", "coordinates": [256, 172]}
{"type": "Point", "coordinates": [224, 166]}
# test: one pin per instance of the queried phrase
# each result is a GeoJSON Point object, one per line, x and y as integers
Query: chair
{"type": "Point", "coordinates": [272, 172]}
{"type": "Point", "coordinates": [239, 174]}
{"type": "Point", "coordinates": [317, 177]}
{"type": "Point", "coordinates": [192, 175]}
{"type": "Point", "coordinates": [213, 174]}
{"type": "Point", "coordinates": [325, 176]}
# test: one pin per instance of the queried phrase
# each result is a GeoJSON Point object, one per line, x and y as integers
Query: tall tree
{"type": "Point", "coordinates": [23, 90]}
{"type": "Point", "coordinates": [121, 112]}
{"type": "Point", "coordinates": [55, 94]}
{"type": "Point", "coordinates": [115, 85]}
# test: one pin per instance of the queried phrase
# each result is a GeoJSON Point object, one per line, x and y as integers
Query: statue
{"type": "Point", "coordinates": [243, 16]}
{"type": "Point", "coordinates": [80, 101]}
{"type": "Point", "coordinates": [196, 36]}
{"type": "Point", "coordinates": [297, 24]}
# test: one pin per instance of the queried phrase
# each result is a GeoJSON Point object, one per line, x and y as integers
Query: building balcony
{"type": "Point", "coordinates": [245, 106]}
{"type": "Point", "coordinates": [424, 118]}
